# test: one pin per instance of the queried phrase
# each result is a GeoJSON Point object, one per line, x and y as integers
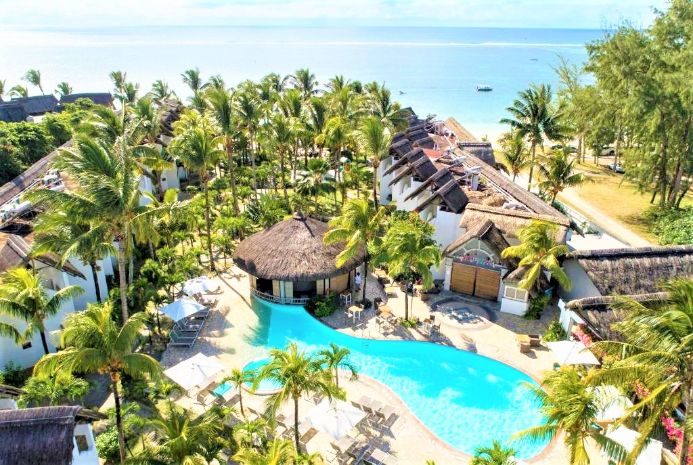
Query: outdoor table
{"type": "Point", "coordinates": [370, 404]}
{"type": "Point", "coordinates": [344, 444]}
{"type": "Point", "coordinates": [356, 311]}
{"type": "Point", "coordinates": [384, 311]}
{"type": "Point", "coordinates": [378, 457]}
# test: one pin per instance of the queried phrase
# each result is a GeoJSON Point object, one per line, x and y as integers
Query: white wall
{"type": "Point", "coordinates": [170, 179]}
{"type": "Point", "coordinates": [516, 307]}
{"type": "Point", "coordinates": [582, 285]}
{"type": "Point", "coordinates": [87, 457]}
{"type": "Point", "coordinates": [385, 189]}
{"type": "Point", "coordinates": [146, 185]}
{"type": "Point", "coordinates": [88, 283]}
{"type": "Point", "coordinates": [447, 226]}
{"type": "Point", "coordinates": [567, 317]}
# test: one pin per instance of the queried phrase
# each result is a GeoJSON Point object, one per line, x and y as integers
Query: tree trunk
{"type": "Point", "coordinates": [123, 282]}
{"type": "Point", "coordinates": [208, 225]}
{"type": "Point", "coordinates": [240, 399]}
{"type": "Point", "coordinates": [375, 190]}
{"type": "Point", "coordinates": [119, 420]}
{"type": "Point", "coordinates": [232, 178]}
{"type": "Point", "coordinates": [365, 277]}
{"type": "Point", "coordinates": [296, 438]}
{"type": "Point", "coordinates": [663, 173]}
{"type": "Point", "coordinates": [44, 342]}
{"type": "Point", "coordinates": [406, 304]}
{"type": "Point", "coordinates": [281, 169]}
{"type": "Point", "coordinates": [95, 277]}
{"type": "Point", "coordinates": [531, 166]}
{"type": "Point", "coordinates": [252, 162]}
{"type": "Point", "coordinates": [676, 184]}
{"type": "Point", "coordinates": [336, 377]}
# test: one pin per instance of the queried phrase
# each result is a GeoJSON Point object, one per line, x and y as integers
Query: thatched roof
{"type": "Point", "coordinates": [638, 270]}
{"type": "Point", "coordinates": [450, 194]}
{"type": "Point", "coordinates": [99, 98]}
{"type": "Point", "coordinates": [292, 250]}
{"type": "Point", "coordinates": [485, 231]}
{"type": "Point", "coordinates": [37, 104]}
{"type": "Point", "coordinates": [15, 251]}
{"type": "Point", "coordinates": [481, 150]}
{"type": "Point", "coordinates": [599, 314]}
{"type": "Point", "coordinates": [460, 132]}
{"type": "Point", "coordinates": [509, 221]}
{"type": "Point", "coordinates": [12, 112]}
{"type": "Point", "coordinates": [10, 391]}
{"type": "Point", "coordinates": [425, 143]}
{"type": "Point", "coordinates": [400, 148]}
{"type": "Point", "coordinates": [38, 436]}
{"type": "Point", "coordinates": [409, 159]}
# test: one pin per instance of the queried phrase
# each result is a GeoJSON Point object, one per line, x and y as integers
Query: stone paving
{"type": "Point", "coordinates": [465, 323]}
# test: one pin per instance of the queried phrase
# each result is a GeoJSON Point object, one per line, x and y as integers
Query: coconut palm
{"type": "Point", "coordinates": [216, 82]}
{"type": "Point", "coordinates": [106, 196]}
{"type": "Point", "coordinates": [336, 358]}
{"type": "Point", "coordinates": [299, 374]}
{"type": "Point", "coordinates": [23, 296]}
{"type": "Point", "coordinates": [53, 389]}
{"type": "Point", "coordinates": [94, 343]}
{"type": "Point", "coordinates": [539, 251]}
{"type": "Point", "coordinates": [515, 153]}
{"type": "Point", "coordinates": [193, 79]}
{"type": "Point", "coordinates": [221, 106]}
{"type": "Point", "coordinates": [656, 349]}
{"type": "Point", "coordinates": [252, 433]}
{"type": "Point", "coordinates": [557, 171]}
{"type": "Point", "coordinates": [409, 250]}
{"type": "Point", "coordinates": [534, 117]}
{"type": "Point", "coordinates": [160, 91]}
{"type": "Point", "coordinates": [33, 77]}
{"type": "Point", "coordinates": [278, 452]}
{"type": "Point", "coordinates": [374, 139]}
{"type": "Point", "coordinates": [281, 135]}
{"type": "Point", "coordinates": [248, 111]}
{"type": "Point", "coordinates": [7, 330]}
{"type": "Point", "coordinates": [358, 227]}
{"type": "Point", "coordinates": [569, 406]}
{"type": "Point", "coordinates": [67, 235]}
{"type": "Point", "coordinates": [127, 95]}
{"type": "Point", "coordinates": [198, 149]}
{"type": "Point", "coordinates": [494, 455]}
{"type": "Point", "coordinates": [305, 82]}
{"type": "Point", "coordinates": [63, 89]}
{"type": "Point", "coordinates": [3, 88]}
{"type": "Point", "coordinates": [315, 182]}
{"type": "Point", "coordinates": [238, 378]}
{"type": "Point", "coordinates": [381, 105]}
{"type": "Point", "coordinates": [317, 117]}
{"type": "Point", "coordinates": [118, 78]}
{"type": "Point", "coordinates": [19, 91]}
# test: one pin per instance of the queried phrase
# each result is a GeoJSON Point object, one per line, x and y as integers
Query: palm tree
{"type": "Point", "coordinates": [118, 78]}
{"type": "Point", "coordinates": [19, 91]}
{"type": "Point", "coordinates": [106, 196]}
{"type": "Point", "coordinates": [533, 117]}
{"type": "Point", "coordinates": [374, 139]}
{"type": "Point", "coordinates": [281, 136]}
{"type": "Point", "coordinates": [335, 358]}
{"type": "Point", "coordinates": [515, 153]}
{"type": "Point", "coordinates": [179, 437]}
{"type": "Point", "coordinates": [558, 172]}
{"type": "Point", "coordinates": [127, 95]}
{"type": "Point", "coordinates": [299, 374]}
{"type": "Point", "coordinates": [315, 182]}
{"type": "Point", "coordinates": [192, 79]}
{"type": "Point", "coordinates": [494, 455]}
{"type": "Point", "coordinates": [538, 251]}
{"type": "Point", "coordinates": [95, 344]}
{"type": "Point", "coordinates": [383, 107]}
{"type": "Point", "coordinates": [53, 389]}
{"type": "Point", "coordinates": [160, 91]}
{"type": "Point", "coordinates": [23, 296]}
{"type": "Point", "coordinates": [279, 452]}
{"type": "Point", "coordinates": [197, 149]}
{"type": "Point", "coordinates": [409, 250]}
{"type": "Point", "coordinates": [216, 82]}
{"type": "Point", "coordinates": [357, 227]}
{"type": "Point", "coordinates": [238, 378]}
{"type": "Point", "coordinates": [221, 105]}
{"type": "Point", "coordinates": [248, 111]}
{"type": "Point", "coordinates": [569, 406]}
{"type": "Point", "coordinates": [656, 349]}
{"type": "Point", "coordinates": [305, 81]}
{"type": "Point", "coordinates": [63, 89]}
{"type": "Point", "coordinates": [68, 236]}
{"type": "Point", "coordinates": [33, 77]}
{"type": "Point", "coordinates": [7, 330]}
{"type": "Point", "coordinates": [3, 87]}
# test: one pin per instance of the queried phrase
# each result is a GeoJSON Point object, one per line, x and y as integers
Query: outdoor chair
{"type": "Point", "coordinates": [386, 425]}
{"type": "Point", "coordinates": [379, 457]}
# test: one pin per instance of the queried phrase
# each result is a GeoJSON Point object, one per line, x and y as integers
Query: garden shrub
{"type": "Point", "coordinates": [107, 445]}
{"type": "Point", "coordinates": [671, 225]}
{"type": "Point", "coordinates": [322, 306]}
{"type": "Point", "coordinates": [14, 375]}
{"type": "Point", "coordinates": [536, 307]}
{"type": "Point", "coordinates": [554, 332]}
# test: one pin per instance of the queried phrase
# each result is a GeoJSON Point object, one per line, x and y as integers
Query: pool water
{"type": "Point", "coordinates": [465, 399]}
{"type": "Point", "coordinates": [265, 385]}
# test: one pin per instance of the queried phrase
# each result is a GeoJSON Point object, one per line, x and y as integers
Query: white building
{"type": "Point", "coordinates": [14, 252]}
{"type": "Point", "coordinates": [59, 435]}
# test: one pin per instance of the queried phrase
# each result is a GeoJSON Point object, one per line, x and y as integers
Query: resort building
{"type": "Point", "coordinates": [600, 276]}
{"type": "Point", "coordinates": [45, 435]}
{"type": "Point", "coordinates": [441, 171]}
{"type": "Point", "coordinates": [27, 108]}
{"type": "Point", "coordinates": [99, 98]}
{"type": "Point", "coordinates": [290, 263]}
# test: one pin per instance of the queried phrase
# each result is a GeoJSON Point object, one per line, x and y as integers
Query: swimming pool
{"type": "Point", "coordinates": [465, 399]}
{"type": "Point", "coordinates": [265, 386]}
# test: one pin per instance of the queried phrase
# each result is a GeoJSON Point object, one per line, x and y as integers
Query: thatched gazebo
{"type": "Point", "coordinates": [290, 263]}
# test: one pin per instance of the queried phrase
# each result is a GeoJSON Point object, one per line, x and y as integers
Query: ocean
{"type": "Point", "coordinates": [434, 70]}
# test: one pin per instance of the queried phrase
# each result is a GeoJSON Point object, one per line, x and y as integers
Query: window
{"type": "Point", "coordinates": [82, 443]}
{"type": "Point", "coordinates": [515, 293]}
{"type": "Point", "coordinates": [26, 345]}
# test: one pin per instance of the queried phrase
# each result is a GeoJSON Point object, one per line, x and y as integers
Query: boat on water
{"type": "Point", "coordinates": [484, 88]}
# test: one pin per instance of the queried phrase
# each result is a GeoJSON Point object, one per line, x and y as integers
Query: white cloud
{"type": "Point", "coordinates": [508, 13]}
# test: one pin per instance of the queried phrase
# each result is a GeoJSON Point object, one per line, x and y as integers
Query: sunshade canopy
{"type": "Point", "coordinates": [611, 402]}
{"type": "Point", "coordinates": [181, 308]}
{"type": "Point", "coordinates": [197, 371]}
{"type": "Point", "coordinates": [572, 353]}
{"type": "Point", "coordinates": [651, 454]}
{"type": "Point", "coordinates": [201, 285]}
{"type": "Point", "coordinates": [336, 418]}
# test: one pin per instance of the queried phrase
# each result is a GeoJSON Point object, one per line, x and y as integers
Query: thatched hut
{"type": "Point", "coordinates": [290, 263]}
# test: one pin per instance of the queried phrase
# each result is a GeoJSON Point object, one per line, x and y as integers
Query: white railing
{"type": "Point", "coordinates": [280, 300]}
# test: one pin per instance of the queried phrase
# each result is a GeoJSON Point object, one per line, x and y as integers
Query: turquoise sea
{"type": "Point", "coordinates": [435, 70]}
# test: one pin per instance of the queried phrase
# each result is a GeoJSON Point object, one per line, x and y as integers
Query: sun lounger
{"type": "Point", "coordinates": [379, 457]}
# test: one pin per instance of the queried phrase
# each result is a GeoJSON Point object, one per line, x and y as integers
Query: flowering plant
{"type": "Point", "coordinates": [675, 434]}
{"type": "Point", "coordinates": [583, 336]}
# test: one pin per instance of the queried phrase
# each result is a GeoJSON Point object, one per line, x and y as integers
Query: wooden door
{"type": "Point", "coordinates": [463, 278]}
{"type": "Point", "coordinates": [487, 284]}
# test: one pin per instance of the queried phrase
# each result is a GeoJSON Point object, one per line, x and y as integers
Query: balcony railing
{"type": "Point", "coordinates": [280, 300]}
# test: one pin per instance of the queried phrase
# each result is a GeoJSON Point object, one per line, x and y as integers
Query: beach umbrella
{"type": "Point", "coordinates": [336, 418]}
{"type": "Point", "coordinates": [611, 403]}
{"type": "Point", "coordinates": [201, 285]}
{"type": "Point", "coordinates": [572, 353]}
{"type": "Point", "coordinates": [181, 308]}
{"type": "Point", "coordinates": [651, 454]}
{"type": "Point", "coordinates": [196, 371]}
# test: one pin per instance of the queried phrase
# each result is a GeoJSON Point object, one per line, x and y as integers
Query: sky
{"type": "Point", "coordinates": [587, 14]}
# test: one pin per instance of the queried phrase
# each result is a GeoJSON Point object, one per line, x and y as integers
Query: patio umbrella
{"type": "Point", "coordinates": [181, 308]}
{"type": "Point", "coordinates": [196, 371]}
{"type": "Point", "coordinates": [201, 285]}
{"type": "Point", "coordinates": [611, 403]}
{"type": "Point", "coordinates": [336, 418]}
{"type": "Point", "coordinates": [651, 454]}
{"type": "Point", "coordinates": [572, 353]}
